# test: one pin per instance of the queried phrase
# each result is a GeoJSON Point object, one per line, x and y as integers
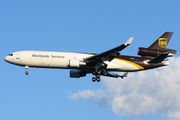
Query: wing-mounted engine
{"type": "Point", "coordinates": [77, 73]}
{"type": "Point", "coordinates": [155, 52]}
{"type": "Point", "coordinates": [76, 63]}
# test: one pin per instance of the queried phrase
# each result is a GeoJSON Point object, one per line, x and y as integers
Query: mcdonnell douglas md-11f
{"type": "Point", "coordinates": [103, 63]}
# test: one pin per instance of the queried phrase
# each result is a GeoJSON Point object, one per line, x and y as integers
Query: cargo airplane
{"type": "Point", "coordinates": [103, 63]}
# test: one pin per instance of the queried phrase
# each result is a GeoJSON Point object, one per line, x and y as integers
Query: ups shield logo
{"type": "Point", "coordinates": [162, 42]}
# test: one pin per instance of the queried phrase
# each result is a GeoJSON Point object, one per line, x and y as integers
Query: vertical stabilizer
{"type": "Point", "coordinates": [162, 41]}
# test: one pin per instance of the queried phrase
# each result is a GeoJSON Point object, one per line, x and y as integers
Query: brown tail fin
{"type": "Point", "coordinates": [162, 41]}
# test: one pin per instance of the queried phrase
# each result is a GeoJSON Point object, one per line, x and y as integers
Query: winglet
{"type": "Point", "coordinates": [129, 41]}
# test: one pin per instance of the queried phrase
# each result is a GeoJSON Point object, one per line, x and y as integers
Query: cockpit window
{"type": "Point", "coordinates": [10, 54]}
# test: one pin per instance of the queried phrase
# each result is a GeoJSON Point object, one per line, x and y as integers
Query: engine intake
{"type": "Point", "coordinates": [155, 52]}
{"type": "Point", "coordinates": [77, 73]}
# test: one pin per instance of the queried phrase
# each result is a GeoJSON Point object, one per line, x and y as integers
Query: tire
{"type": "Point", "coordinates": [93, 79]}
{"type": "Point", "coordinates": [26, 73]}
{"type": "Point", "coordinates": [98, 79]}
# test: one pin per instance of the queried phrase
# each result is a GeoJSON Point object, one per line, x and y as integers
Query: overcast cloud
{"type": "Point", "coordinates": [152, 91]}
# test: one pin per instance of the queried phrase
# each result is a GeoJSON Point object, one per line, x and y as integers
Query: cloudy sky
{"type": "Point", "coordinates": [87, 26]}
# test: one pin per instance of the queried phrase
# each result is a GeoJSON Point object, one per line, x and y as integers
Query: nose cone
{"type": "Point", "coordinates": [7, 59]}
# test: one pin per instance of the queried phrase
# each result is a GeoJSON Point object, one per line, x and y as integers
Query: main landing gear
{"type": "Point", "coordinates": [99, 68]}
{"type": "Point", "coordinates": [97, 74]}
{"type": "Point", "coordinates": [27, 68]}
{"type": "Point", "coordinates": [98, 79]}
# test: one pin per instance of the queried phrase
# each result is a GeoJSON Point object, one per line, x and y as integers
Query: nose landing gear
{"type": "Point", "coordinates": [27, 68]}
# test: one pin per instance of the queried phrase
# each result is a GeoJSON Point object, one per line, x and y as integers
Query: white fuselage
{"type": "Point", "coordinates": [63, 60]}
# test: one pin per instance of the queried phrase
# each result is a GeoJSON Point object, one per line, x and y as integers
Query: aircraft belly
{"type": "Point", "coordinates": [121, 65]}
{"type": "Point", "coordinates": [113, 65]}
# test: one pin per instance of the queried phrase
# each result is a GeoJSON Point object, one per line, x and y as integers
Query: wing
{"type": "Point", "coordinates": [108, 55]}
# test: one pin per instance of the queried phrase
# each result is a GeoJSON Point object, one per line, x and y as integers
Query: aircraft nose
{"type": "Point", "coordinates": [6, 58]}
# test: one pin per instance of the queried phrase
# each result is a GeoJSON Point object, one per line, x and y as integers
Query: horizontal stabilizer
{"type": "Point", "coordinates": [159, 58]}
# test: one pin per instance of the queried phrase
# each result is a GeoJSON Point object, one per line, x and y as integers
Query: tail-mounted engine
{"type": "Point", "coordinates": [77, 73]}
{"type": "Point", "coordinates": [155, 52]}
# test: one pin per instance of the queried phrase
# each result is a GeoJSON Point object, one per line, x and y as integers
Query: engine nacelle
{"type": "Point", "coordinates": [155, 52]}
{"type": "Point", "coordinates": [76, 63]}
{"type": "Point", "coordinates": [77, 73]}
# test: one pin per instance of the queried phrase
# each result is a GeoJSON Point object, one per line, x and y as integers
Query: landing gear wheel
{"type": "Point", "coordinates": [97, 76]}
{"type": "Point", "coordinates": [98, 79]}
{"type": "Point", "coordinates": [26, 73]}
{"type": "Point", "coordinates": [99, 72]}
{"type": "Point", "coordinates": [93, 79]}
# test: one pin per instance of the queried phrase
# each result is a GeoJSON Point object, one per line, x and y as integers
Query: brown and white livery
{"type": "Point", "coordinates": [97, 64]}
